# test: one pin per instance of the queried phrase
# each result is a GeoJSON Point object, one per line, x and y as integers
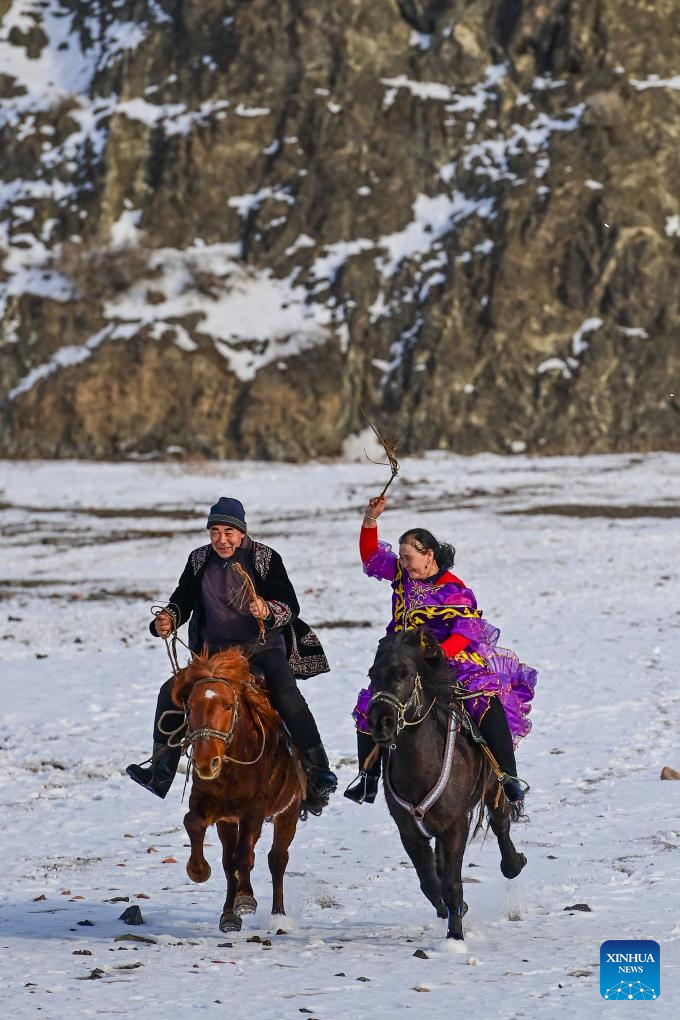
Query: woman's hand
{"type": "Point", "coordinates": [164, 624]}
{"type": "Point", "coordinates": [374, 508]}
{"type": "Point", "coordinates": [259, 608]}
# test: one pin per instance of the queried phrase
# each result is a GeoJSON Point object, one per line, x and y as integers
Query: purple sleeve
{"type": "Point", "coordinates": [382, 564]}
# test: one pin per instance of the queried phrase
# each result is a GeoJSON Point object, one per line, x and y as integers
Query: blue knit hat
{"type": "Point", "coordinates": [228, 511]}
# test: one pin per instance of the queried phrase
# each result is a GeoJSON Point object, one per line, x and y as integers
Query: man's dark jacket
{"type": "Point", "coordinates": [303, 648]}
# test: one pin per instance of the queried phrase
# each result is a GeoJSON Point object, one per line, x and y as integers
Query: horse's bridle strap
{"type": "Point", "coordinates": [402, 707]}
{"type": "Point", "coordinates": [224, 735]}
{"type": "Point", "coordinates": [207, 731]}
{"type": "Point", "coordinates": [418, 811]}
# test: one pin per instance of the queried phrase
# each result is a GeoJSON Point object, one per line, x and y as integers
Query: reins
{"type": "Point", "coordinates": [171, 642]}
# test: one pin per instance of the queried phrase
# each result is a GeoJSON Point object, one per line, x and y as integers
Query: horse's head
{"type": "Point", "coordinates": [397, 682]}
{"type": "Point", "coordinates": [210, 692]}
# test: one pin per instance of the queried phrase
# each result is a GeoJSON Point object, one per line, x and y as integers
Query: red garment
{"type": "Point", "coordinates": [453, 644]}
{"type": "Point", "coordinates": [368, 543]}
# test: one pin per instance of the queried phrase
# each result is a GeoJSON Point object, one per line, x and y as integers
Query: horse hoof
{"type": "Point", "coordinates": [230, 922]}
{"type": "Point", "coordinates": [456, 935]}
{"type": "Point", "coordinates": [244, 904]}
{"type": "Point", "coordinates": [513, 870]}
{"type": "Point", "coordinates": [199, 876]}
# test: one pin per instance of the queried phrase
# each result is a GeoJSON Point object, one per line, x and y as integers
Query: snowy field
{"type": "Point", "coordinates": [572, 558]}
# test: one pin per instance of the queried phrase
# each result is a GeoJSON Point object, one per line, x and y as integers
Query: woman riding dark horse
{"type": "Point", "coordinates": [435, 773]}
{"type": "Point", "coordinates": [425, 592]}
{"type": "Point", "coordinates": [236, 592]}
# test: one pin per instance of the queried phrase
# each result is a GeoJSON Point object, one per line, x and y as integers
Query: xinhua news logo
{"type": "Point", "coordinates": [630, 969]}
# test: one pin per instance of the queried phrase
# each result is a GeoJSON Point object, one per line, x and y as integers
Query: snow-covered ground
{"type": "Point", "coordinates": [573, 558]}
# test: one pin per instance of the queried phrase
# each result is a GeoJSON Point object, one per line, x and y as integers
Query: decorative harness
{"type": "Point", "coordinates": [418, 811]}
{"type": "Point", "coordinates": [226, 736]}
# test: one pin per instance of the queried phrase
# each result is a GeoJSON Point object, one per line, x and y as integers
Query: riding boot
{"type": "Point", "coordinates": [288, 701]}
{"type": "Point", "coordinates": [158, 776]}
{"type": "Point", "coordinates": [495, 730]}
{"type": "Point", "coordinates": [364, 789]}
{"type": "Point", "coordinates": [322, 779]}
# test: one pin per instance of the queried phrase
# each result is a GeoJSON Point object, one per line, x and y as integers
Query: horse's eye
{"type": "Point", "coordinates": [229, 706]}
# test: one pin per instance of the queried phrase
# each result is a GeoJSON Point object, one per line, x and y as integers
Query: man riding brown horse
{"type": "Point", "coordinates": [236, 592]}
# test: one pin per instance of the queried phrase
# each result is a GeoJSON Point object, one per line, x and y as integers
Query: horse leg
{"type": "Point", "coordinates": [228, 833]}
{"type": "Point", "coordinates": [244, 859]}
{"type": "Point", "coordinates": [420, 852]}
{"type": "Point", "coordinates": [451, 846]}
{"type": "Point", "coordinates": [285, 825]}
{"type": "Point", "coordinates": [512, 861]}
{"type": "Point", "coordinates": [196, 824]}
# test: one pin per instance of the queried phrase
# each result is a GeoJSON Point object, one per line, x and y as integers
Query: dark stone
{"type": "Point", "coordinates": [132, 915]}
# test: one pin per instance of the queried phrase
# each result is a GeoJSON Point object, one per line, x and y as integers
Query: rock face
{"type": "Point", "coordinates": [227, 225]}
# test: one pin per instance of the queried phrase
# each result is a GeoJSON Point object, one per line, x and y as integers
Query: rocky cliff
{"type": "Point", "coordinates": [227, 224]}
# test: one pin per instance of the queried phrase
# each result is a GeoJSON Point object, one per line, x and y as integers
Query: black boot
{"type": "Point", "coordinates": [364, 789]}
{"type": "Point", "coordinates": [158, 776]}
{"type": "Point", "coordinates": [495, 730]}
{"type": "Point", "coordinates": [322, 779]}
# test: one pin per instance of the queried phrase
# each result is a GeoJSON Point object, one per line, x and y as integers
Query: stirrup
{"type": "Point", "coordinates": [362, 789]}
{"type": "Point", "coordinates": [514, 788]}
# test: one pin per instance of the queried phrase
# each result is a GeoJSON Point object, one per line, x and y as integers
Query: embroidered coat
{"type": "Point", "coordinates": [303, 648]}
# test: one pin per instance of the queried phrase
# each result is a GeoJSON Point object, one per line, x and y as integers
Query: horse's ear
{"type": "Point", "coordinates": [181, 687]}
{"type": "Point", "coordinates": [428, 644]}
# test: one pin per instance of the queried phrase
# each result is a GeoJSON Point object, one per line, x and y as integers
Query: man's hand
{"type": "Point", "coordinates": [164, 624]}
{"type": "Point", "coordinates": [259, 608]}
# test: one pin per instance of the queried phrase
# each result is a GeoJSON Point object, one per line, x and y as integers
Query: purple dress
{"type": "Point", "coordinates": [450, 612]}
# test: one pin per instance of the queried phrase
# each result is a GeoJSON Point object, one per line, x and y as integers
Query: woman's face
{"type": "Point", "coordinates": [224, 540]}
{"type": "Point", "coordinates": [417, 564]}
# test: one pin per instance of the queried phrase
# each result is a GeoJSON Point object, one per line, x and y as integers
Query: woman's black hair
{"type": "Point", "coordinates": [444, 553]}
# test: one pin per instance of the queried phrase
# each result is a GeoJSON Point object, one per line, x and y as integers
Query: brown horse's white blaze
{"type": "Point", "coordinates": [208, 709]}
{"type": "Point", "coordinates": [243, 773]}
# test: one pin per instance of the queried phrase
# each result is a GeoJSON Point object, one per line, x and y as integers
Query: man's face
{"type": "Point", "coordinates": [225, 540]}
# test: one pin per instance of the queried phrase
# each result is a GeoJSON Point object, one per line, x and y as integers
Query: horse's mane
{"type": "Point", "coordinates": [435, 669]}
{"type": "Point", "coordinates": [231, 665]}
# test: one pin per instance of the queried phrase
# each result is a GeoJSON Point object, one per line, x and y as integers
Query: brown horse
{"type": "Point", "coordinates": [243, 773]}
{"type": "Point", "coordinates": [435, 777]}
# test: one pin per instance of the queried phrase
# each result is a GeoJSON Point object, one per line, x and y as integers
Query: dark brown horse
{"type": "Point", "coordinates": [412, 686]}
{"type": "Point", "coordinates": [243, 773]}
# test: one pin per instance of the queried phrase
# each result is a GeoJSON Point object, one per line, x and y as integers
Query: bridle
{"type": "Point", "coordinates": [415, 701]}
{"type": "Point", "coordinates": [207, 731]}
{"type": "Point", "coordinates": [225, 736]}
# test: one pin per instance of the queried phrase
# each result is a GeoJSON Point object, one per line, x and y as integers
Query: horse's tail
{"type": "Point", "coordinates": [485, 782]}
